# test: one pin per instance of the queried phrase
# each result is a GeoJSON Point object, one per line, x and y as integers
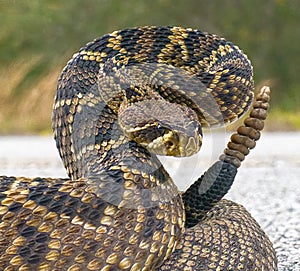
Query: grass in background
{"type": "Point", "coordinates": [38, 37]}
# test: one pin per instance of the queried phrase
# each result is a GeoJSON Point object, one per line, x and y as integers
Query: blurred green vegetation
{"type": "Point", "coordinates": [37, 37]}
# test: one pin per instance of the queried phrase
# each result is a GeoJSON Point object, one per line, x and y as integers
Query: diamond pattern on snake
{"type": "Point", "coordinates": [121, 100]}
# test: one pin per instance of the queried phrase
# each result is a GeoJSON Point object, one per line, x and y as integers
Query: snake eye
{"type": "Point", "coordinates": [161, 129]}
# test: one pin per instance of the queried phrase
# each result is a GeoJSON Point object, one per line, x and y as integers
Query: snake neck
{"type": "Point", "coordinates": [111, 163]}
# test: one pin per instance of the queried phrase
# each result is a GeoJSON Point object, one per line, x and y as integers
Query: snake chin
{"type": "Point", "coordinates": [176, 144]}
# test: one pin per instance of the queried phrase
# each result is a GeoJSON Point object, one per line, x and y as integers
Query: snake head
{"type": "Point", "coordinates": [162, 127]}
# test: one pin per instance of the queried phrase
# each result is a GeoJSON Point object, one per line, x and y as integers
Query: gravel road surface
{"type": "Point", "coordinates": [267, 183]}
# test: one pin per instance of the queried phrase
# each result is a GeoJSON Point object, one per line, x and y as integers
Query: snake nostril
{"type": "Point", "coordinates": [169, 144]}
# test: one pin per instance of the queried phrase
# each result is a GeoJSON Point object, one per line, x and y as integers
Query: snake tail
{"type": "Point", "coordinates": [217, 180]}
{"type": "Point", "coordinates": [247, 134]}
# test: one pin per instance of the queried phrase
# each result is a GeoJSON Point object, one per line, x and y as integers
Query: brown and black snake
{"type": "Point", "coordinates": [122, 99]}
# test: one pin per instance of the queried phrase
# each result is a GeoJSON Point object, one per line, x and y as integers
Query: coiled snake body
{"type": "Point", "coordinates": [122, 99]}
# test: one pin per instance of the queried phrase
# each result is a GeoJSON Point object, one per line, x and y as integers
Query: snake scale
{"type": "Point", "coordinates": [122, 99]}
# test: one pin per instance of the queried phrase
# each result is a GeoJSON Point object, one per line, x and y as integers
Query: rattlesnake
{"type": "Point", "coordinates": [120, 100]}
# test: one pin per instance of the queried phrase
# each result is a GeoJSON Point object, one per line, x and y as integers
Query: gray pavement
{"type": "Point", "coordinates": [267, 183]}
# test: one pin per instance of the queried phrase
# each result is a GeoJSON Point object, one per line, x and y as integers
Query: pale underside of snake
{"type": "Point", "coordinates": [122, 99]}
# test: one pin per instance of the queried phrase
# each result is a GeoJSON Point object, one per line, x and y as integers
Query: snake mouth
{"type": "Point", "coordinates": [176, 144]}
